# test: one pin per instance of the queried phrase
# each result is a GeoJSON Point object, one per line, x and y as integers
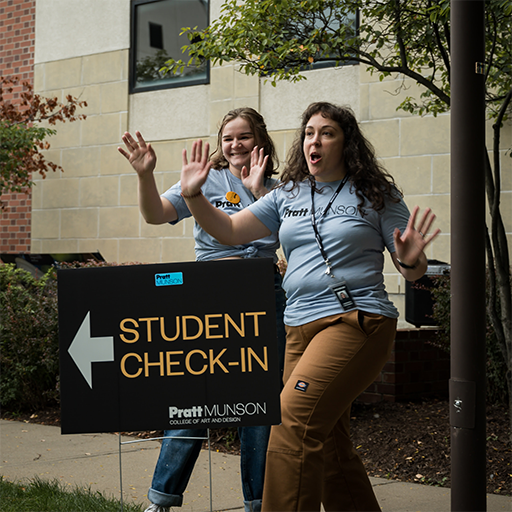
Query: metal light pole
{"type": "Point", "coordinates": [467, 383]}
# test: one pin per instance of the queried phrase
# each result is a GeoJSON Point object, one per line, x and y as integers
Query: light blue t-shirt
{"type": "Point", "coordinates": [218, 189]}
{"type": "Point", "coordinates": [354, 244]}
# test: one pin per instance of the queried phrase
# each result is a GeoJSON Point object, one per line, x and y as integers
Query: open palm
{"type": "Point", "coordinates": [412, 242]}
{"type": "Point", "coordinates": [195, 171]}
{"type": "Point", "coordinates": [254, 179]}
{"type": "Point", "coordinates": [141, 155]}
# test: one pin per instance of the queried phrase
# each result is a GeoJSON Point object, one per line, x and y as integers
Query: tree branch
{"type": "Point", "coordinates": [398, 31]}
{"type": "Point", "coordinates": [367, 59]}
{"type": "Point", "coordinates": [442, 50]}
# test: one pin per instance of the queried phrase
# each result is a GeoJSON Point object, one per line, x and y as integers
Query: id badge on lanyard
{"type": "Point", "coordinates": [342, 293]}
{"type": "Point", "coordinates": [339, 286]}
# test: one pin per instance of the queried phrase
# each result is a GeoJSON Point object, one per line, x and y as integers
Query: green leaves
{"type": "Point", "coordinates": [22, 136]}
{"type": "Point", "coordinates": [28, 339]}
{"type": "Point", "coordinates": [17, 144]}
{"type": "Point", "coordinates": [272, 39]}
{"type": "Point", "coordinates": [278, 40]}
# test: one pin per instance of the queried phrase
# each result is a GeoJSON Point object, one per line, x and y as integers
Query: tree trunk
{"type": "Point", "coordinates": [499, 306]}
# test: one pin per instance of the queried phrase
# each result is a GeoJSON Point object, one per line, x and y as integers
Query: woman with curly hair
{"type": "Point", "coordinates": [234, 184]}
{"type": "Point", "coordinates": [337, 210]}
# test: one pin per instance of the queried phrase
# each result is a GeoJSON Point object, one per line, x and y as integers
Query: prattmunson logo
{"type": "Point", "coordinates": [169, 279]}
{"type": "Point", "coordinates": [217, 410]}
{"type": "Point", "coordinates": [333, 210]}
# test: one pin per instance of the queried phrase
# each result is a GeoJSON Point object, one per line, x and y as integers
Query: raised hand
{"type": "Point", "coordinates": [410, 245]}
{"type": "Point", "coordinates": [195, 171]}
{"type": "Point", "coordinates": [141, 156]}
{"type": "Point", "coordinates": [253, 180]}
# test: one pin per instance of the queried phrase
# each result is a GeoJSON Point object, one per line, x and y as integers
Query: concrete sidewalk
{"type": "Point", "coordinates": [92, 460]}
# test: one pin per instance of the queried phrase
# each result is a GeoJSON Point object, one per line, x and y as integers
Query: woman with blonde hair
{"type": "Point", "coordinates": [242, 173]}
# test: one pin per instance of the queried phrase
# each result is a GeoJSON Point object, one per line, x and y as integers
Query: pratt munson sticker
{"type": "Point", "coordinates": [169, 279]}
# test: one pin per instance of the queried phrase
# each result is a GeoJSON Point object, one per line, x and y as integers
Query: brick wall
{"type": "Point", "coordinates": [416, 369]}
{"type": "Point", "coordinates": [17, 36]}
{"type": "Point", "coordinates": [15, 224]}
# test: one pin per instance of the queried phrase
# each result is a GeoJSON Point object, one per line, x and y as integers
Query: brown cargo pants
{"type": "Point", "coordinates": [310, 458]}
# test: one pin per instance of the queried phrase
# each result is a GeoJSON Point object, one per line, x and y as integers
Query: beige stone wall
{"type": "Point", "coordinates": [70, 207]}
{"type": "Point", "coordinates": [66, 29]}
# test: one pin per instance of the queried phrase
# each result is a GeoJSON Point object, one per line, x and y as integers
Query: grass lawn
{"type": "Point", "coordinates": [40, 496]}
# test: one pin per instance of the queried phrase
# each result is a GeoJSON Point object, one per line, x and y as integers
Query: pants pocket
{"type": "Point", "coordinates": [368, 322]}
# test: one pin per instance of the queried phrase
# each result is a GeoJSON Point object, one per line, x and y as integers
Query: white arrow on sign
{"type": "Point", "coordinates": [85, 350]}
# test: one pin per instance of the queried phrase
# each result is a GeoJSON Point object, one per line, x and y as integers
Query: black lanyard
{"type": "Point", "coordinates": [318, 238]}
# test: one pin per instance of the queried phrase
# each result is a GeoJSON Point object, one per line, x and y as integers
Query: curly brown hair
{"type": "Point", "coordinates": [261, 136]}
{"type": "Point", "coordinates": [369, 178]}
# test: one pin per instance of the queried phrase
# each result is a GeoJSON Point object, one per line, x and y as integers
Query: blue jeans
{"type": "Point", "coordinates": [253, 456]}
{"type": "Point", "coordinates": [174, 466]}
{"type": "Point", "coordinates": [178, 456]}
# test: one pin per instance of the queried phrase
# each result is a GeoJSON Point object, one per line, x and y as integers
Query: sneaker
{"type": "Point", "coordinates": [157, 508]}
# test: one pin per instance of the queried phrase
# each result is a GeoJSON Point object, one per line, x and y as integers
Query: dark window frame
{"type": "Point", "coordinates": [132, 87]}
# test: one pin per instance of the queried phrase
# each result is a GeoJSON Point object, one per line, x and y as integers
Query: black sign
{"type": "Point", "coordinates": [175, 345]}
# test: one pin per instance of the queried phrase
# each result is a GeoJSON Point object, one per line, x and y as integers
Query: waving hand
{"type": "Point", "coordinates": [409, 256]}
{"type": "Point", "coordinates": [254, 179]}
{"type": "Point", "coordinates": [195, 171]}
{"type": "Point", "coordinates": [141, 156]}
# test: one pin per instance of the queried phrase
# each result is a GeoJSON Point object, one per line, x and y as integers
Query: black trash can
{"type": "Point", "coordinates": [418, 298]}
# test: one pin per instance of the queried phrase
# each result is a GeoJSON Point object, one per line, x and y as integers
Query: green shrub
{"type": "Point", "coordinates": [29, 346]}
{"type": "Point", "coordinates": [29, 337]}
{"type": "Point", "coordinates": [496, 367]}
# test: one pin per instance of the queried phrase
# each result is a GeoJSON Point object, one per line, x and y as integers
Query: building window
{"type": "Point", "coordinates": [155, 38]}
{"type": "Point", "coordinates": [351, 21]}
{"type": "Point", "coordinates": [329, 21]}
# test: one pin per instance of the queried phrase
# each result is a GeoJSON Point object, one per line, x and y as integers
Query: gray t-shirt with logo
{"type": "Point", "coordinates": [226, 192]}
{"type": "Point", "coordinates": [354, 244]}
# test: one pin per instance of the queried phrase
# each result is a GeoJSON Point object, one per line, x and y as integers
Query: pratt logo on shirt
{"type": "Point", "coordinates": [227, 204]}
{"type": "Point", "coordinates": [296, 213]}
{"type": "Point", "coordinates": [169, 279]}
